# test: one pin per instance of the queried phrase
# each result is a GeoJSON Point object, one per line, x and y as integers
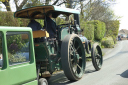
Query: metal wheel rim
{"type": "Point", "coordinates": [44, 83]}
{"type": "Point", "coordinates": [76, 57]}
{"type": "Point", "coordinates": [98, 57]}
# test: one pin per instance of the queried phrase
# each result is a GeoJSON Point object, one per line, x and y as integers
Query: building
{"type": "Point", "coordinates": [123, 33]}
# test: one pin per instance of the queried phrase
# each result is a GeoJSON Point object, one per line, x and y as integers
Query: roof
{"type": "Point", "coordinates": [123, 31]}
{"type": "Point", "coordinates": [8, 28]}
{"type": "Point", "coordinates": [38, 12]}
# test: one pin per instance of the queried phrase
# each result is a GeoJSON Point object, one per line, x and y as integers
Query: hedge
{"type": "Point", "coordinates": [94, 30]}
{"type": "Point", "coordinates": [7, 19]}
{"type": "Point", "coordinates": [99, 30]}
{"type": "Point", "coordinates": [89, 30]}
{"type": "Point", "coordinates": [23, 22]}
{"type": "Point", "coordinates": [107, 42]}
{"type": "Point", "coordinates": [112, 29]}
{"type": "Point", "coordinates": [103, 29]}
{"type": "Point", "coordinates": [59, 21]}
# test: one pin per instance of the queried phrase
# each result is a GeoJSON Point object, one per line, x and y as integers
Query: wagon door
{"type": "Point", "coordinates": [21, 62]}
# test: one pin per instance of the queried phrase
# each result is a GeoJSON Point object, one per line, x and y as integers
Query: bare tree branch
{"type": "Point", "coordinates": [15, 1]}
{"type": "Point", "coordinates": [22, 4]}
{"type": "Point", "coordinates": [7, 5]}
{"type": "Point", "coordinates": [61, 3]}
{"type": "Point", "coordinates": [34, 2]}
{"type": "Point", "coordinates": [55, 2]}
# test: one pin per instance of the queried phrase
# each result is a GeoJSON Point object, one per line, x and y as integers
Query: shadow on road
{"type": "Point", "coordinates": [60, 78]}
{"type": "Point", "coordinates": [123, 52]}
{"type": "Point", "coordinates": [124, 74]}
{"type": "Point", "coordinates": [89, 71]}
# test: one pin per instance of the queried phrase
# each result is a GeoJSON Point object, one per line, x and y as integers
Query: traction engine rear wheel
{"type": "Point", "coordinates": [96, 54]}
{"type": "Point", "coordinates": [73, 57]}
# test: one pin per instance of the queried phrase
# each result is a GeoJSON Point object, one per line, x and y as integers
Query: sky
{"type": "Point", "coordinates": [121, 9]}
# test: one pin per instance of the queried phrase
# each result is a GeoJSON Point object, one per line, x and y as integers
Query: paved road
{"type": "Point", "coordinates": [114, 70]}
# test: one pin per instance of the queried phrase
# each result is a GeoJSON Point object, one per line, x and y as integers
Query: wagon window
{"type": "Point", "coordinates": [1, 55]}
{"type": "Point", "coordinates": [18, 47]}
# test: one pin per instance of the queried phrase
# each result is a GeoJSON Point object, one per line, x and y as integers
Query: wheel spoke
{"type": "Point", "coordinates": [80, 57]}
{"type": "Point", "coordinates": [97, 57]}
{"type": "Point", "coordinates": [76, 71]}
{"type": "Point", "coordinates": [72, 48]}
{"type": "Point", "coordinates": [77, 48]}
{"type": "Point", "coordinates": [71, 52]}
{"type": "Point", "coordinates": [74, 68]}
{"type": "Point", "coordinates": [72, 59]}
{"type": "Point", "coordinates": [74, 41]}
{"type": "Point", "coordinates": [96, 52]}
{"type": "Point", "coordinates": [97, 61]}
{"type": "Point", "coordinates": [79, 67]}
{"type": "Point", "coordinates": [73, 44]}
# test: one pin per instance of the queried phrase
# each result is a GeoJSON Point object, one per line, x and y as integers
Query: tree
{"type": "Point", "coordinates": [94, 9]}
{"type": "Point", "coordinates": [28, 3]}
{"type": "Point", "coordinates": [17, 3]}
{"type": "Point", "coordinates": [112, 28]}
{"type": "Point", "coordinates": [6, 3]}
{"type": "Point", "coordinates": [20, 5]}
{"type": "Point", "coordinates": [31, 3]}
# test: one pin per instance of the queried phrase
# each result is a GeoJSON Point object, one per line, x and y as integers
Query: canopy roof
{"type": "Point", "coordinates": [39, 12]}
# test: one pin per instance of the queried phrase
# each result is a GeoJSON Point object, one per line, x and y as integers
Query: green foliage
{"type": "Point", "coordinates": [17, 38]}
{"type": "Point", "coordinates": [107, 42]}
{"type": "Point", "coordinates": [88, 30]}
{"type": "Point", "coordinates": [17, 45]}
{"type": "Point", "coordinates": [99, 30]}
{"type": "Point", "coordinates": [40, 21]}
{"type": "Point", "coordinates": [82, 22]}
{"type": "Point", "coordinates": [23, 22]}
{"type": "Point", "coordinates": [93, 29]}
{"type": "Point", "coordinates": [103, 29]}
{"type": "Point", "coordinates": [15, 59]}
{"type": "Point", "coordinates": [7, 19]}
{"type": "Point", "coordinates": [112, 29]}
{"type": "Point", "coordinates": [4, 0]}
{"type": "Point", "coordinates": [59, 21]}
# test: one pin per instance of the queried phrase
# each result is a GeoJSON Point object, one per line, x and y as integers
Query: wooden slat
{"type": "Point", "coordinates": [40, 33]}
{"type": "Point", "coordinates": [27, 13]}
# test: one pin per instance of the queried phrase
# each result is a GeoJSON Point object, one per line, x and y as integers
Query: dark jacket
{"type": "Point", "coordinates": [34, 25]}
{"type": "Point", "coordinates": [50, 26]}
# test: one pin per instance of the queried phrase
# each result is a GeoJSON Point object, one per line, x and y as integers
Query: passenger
{"type": "Point", "coordinates": [50, 26]}
{"type": "Point", "coordinates": [34, 25]}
